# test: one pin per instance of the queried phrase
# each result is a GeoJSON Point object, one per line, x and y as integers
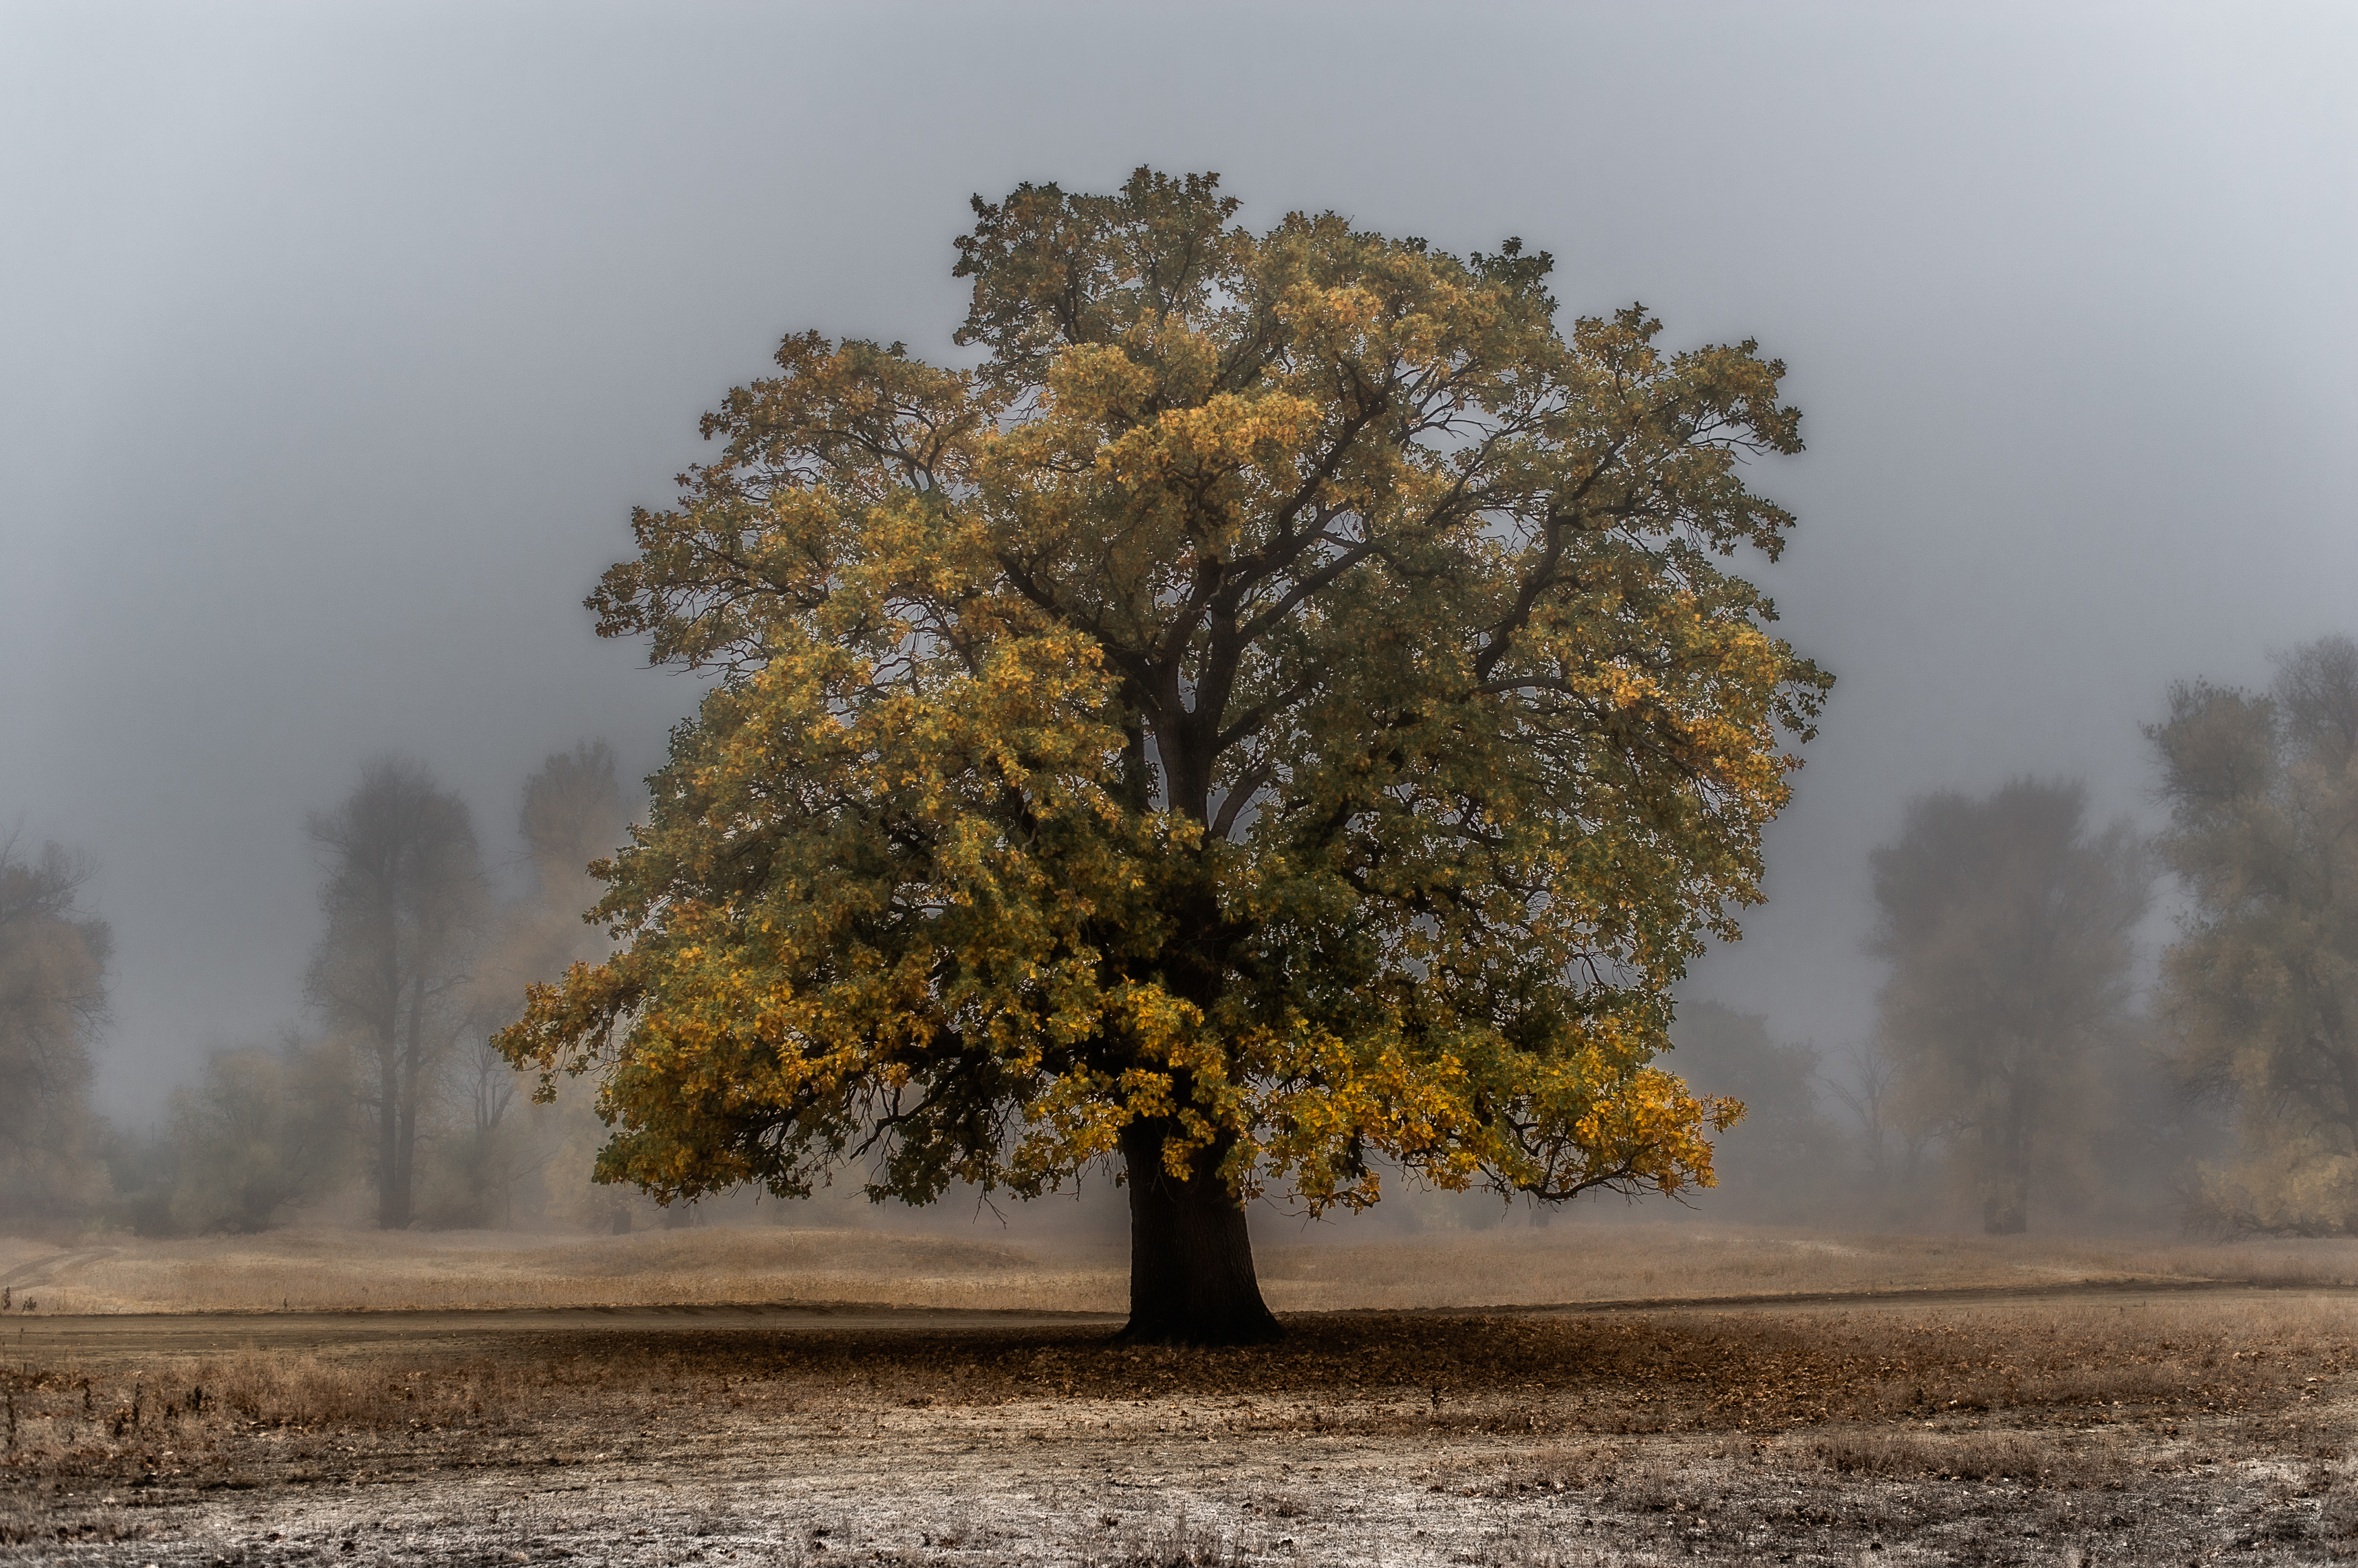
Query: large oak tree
{"type": "Point", "coordinates": [1278, 713]}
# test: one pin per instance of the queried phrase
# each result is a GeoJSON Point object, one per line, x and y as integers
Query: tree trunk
{"type": "Point", "coordinates": [405, 1158]}
{"type": "Point", "coordinates": [2005, 1172]}
{"type": "Point", "coordinates": [2003, 1210]}
{"type": "Point", "coordinates": [393, 1213]}
{"type": "Point", "coordinates": [1191, 1265]}
{"type": "Point", "coordinates": [388, 1145]}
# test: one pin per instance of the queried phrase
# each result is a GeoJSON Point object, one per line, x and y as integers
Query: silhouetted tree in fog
{"type": "Point", "coordinates": [572, 814]}
{"type": "Point", "coordinates": [52, 994]}
{"type": "Point", "coordinates": [406, 905]}
{"type": "Point", "coordinates": [1776, 1160]}
{"type": "Point", "coordinates": [2261, 991]}
{"type": "Point", "coordinates": [261, 1130]}
{"type": "Point", "coordinates": [1890, 1145]}
{"type": "Point", "coordinates": [2007, 925]}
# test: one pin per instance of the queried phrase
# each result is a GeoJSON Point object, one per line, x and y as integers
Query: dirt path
{"type": "Point", "coordinates": [2127, 1292]}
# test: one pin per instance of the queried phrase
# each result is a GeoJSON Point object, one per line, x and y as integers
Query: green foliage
{"type": "Point", "coordinates": [2008, 926]}
{"type": "Point", "coordinates": [2262, 990]}
{"type": "Point", "coordinates": [1284, 703]}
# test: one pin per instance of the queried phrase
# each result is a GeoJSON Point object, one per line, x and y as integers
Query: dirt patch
{"type": "Point", "coordinates": [1987, 1435]}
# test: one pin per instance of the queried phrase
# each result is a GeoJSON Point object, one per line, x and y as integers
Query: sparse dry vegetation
{"type": "Point", "coordinates": [350, 1272]}
{"type": "Point", "coordinates": [2189, 1421]}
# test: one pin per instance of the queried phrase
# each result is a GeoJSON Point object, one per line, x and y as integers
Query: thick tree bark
{"type": "Point", "coordinates": [1191, 1264]}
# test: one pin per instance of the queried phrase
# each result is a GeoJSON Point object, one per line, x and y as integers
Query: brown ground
{"type": "Point", "coordinates": [2103, 1425]}
{"type": "Point", "coordinates": [1028, 1268]}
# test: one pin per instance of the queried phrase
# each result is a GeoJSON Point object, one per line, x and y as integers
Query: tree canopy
{"type": "Point", "coordinates": [1278, 713]}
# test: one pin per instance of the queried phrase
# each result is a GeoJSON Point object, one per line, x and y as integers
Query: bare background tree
{"type": "Point", "coordinates": [2007, 927]}
{"type": "Point", "coordinates": [1890, 1146]}
{"type": "Point", "coordinates": [418, 967]}
{"type": "Point", "coordinates": [406, 904]}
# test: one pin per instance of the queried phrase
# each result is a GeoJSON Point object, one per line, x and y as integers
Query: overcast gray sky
{"type": "Point", "coordinates": [338, 339]}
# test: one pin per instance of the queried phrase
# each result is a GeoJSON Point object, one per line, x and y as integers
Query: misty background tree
{"type": "Point", "coordinates": [273, 1133]}
{"type": "Point", "coordinates": [2261, 990]}
{"type": "Point", "coordinates": [265, 1127]}
{"type": "Point", "coordinates": [2007, 924]}
{"type": "Point", "coordinates": [53, 957]}
{"type": "Point", "coordinates": [1279, 708]}
{"type": "Point", "coordinates": [1785, 1161]}
{"type": "Point", "coordinates": [404, 902]}
{"type": "Point", "coordinates": [571, 813]}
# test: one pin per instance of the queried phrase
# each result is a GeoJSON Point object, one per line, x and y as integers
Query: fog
{"type": "Point", "coordinates": [341, 341]}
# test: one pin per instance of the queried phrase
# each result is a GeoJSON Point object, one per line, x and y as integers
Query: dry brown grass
{"type": "Point", "coordinates": [1685, 1261]}
{"type": "Point", "coordinates": [1754, 1372]}
{"type": "Point", "coordinates": [1970, 1457]}
{"type": "Point", "coordinates": [366, 1271]}
{"type": "Point", "coordinates": [341, 1270]}
{"type": "Point", "coordinates": [1654, 1424]}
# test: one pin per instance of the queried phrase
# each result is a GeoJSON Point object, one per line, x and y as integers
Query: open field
{"type": "Point", "coordinates": [365, 1270]}
{"type": "Point", "coordinates": [2161, 1429]}
{"type": "Point", "coordinates": [2078, 1425]}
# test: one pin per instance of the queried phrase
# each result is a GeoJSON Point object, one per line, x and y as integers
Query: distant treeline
{"type": "Point", "coordinates": [389, 1104]}
{"type": "Point", "coordinates": [2016, 1074]}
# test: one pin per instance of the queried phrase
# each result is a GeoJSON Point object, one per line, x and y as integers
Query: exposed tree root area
{"type": "Point", "coordinates": [2168, 1432]}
